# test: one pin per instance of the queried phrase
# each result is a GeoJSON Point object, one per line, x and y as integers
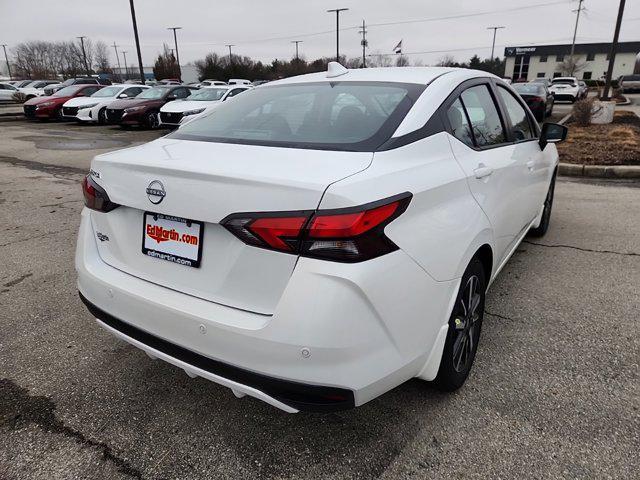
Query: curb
{"type": "Point", "coordinates": [599, 171]}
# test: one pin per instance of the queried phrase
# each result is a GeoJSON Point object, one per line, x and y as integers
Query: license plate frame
{"type": "Point", "coordinates": [168, 255]}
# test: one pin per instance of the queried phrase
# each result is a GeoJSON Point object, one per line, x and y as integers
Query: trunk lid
{"type": "Point", "coordinates": [205, 182]}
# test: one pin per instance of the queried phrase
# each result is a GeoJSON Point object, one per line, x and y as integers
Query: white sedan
{"type": "Point", "coordinates": [35, 88]}
{"type": "Point", "coordinates": [7, 91]}
{"type": "Point", "coordinates": [204, 100]}
{"type": "Point", "coordinates": [321, 239]}
{"type": "Point", "coordinates": [93, 109]}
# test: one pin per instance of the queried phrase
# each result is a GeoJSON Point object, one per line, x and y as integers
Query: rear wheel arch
{"type": "Point", "coordinates": [485, 255]}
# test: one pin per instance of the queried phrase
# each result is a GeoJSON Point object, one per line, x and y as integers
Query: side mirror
{"type": "Point", "coordinates": [171, 97]}
{"type": "Point", "coordinates": [552, 133]}
{"type": "Point", "coordinates": [123, 95]}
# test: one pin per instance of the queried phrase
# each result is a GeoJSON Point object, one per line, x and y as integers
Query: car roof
{"type": "Point", "coordinates": [419, 75]}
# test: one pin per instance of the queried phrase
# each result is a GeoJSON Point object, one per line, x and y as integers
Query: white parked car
{"type": "Point", "coordinates": [204, 100]}
{"type": "Point", "coordinates": [212, 83]}
{"type": "Point", "coordinates": [93, 109]}
{"type": "Point", "coordinates": [566, 88]}
{"type": "Point", "coordinates": [322, 239]}
{"type": "Point", "coordinates": [7, 91]}
{"type": "Point", "coordinates": [238, 81]}
{"type": "Point", "coordinates": [36, 88]}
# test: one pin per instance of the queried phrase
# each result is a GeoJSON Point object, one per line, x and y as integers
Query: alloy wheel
{"type": "Point", "coordinates": [465, 324]}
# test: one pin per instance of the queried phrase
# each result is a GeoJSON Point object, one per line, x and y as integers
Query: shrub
{"type": "Point", "coordinates": [583, 111]}
{"type": "Point", "coordinates": [19, 97]}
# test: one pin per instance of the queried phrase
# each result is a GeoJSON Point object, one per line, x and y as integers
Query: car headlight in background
{"type": "Point", "coordinates": [134, 109]}
{"type": "Point", "coordinates": [192, 112]}
{"type": "Point", "coordinates": [87, 106]}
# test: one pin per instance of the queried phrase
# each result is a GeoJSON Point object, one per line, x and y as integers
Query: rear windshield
{"type": "Point", "coordinates": [354, 116]}
{"type": "Point", "coordinates": [528, 88]}
{"type": "Point", "coordinates": [566, 81]}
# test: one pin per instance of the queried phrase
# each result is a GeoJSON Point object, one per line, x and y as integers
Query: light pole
{"type": "Point", "coordinates": [493, 45]}
{"type": "Point", "coordinates": [84, 55]}
{"type": "Point", "coordinates": [612, 54]}
{"type": "Point", "coordinates": [337, 10]}
{"type": "Point", "coordinates": [115, 47]}
{"type": "Point", "coordinates": [227, 45]}
{"type": "Point", "coordinates": [297, 42]}
{"type": "Point", "coordinates": [126, 69]}
{"type": "Point", "coordinates": [175, 40]}
{"type": "Point", "coordinates": [4, 46]}
{"type": "Point", "coordinates": [135, 34]}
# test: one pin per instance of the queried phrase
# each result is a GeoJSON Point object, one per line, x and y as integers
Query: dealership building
{"type": "Point", "coordinates": [592, 60]}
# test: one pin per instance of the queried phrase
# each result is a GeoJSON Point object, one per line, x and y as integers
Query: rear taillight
{"type": "Point", "coordinates": [343, 235]}
{"type": "Point", "coordinates": [95, 197]}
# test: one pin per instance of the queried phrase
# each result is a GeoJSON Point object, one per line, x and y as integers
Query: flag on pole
{"type": "Point", "coordinates": [398, 48]}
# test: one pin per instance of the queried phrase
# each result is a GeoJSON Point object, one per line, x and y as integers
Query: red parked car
{"type": "Point", "coordinates": [51, 107]}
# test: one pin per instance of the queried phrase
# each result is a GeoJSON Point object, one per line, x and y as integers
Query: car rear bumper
{"type": "Point", "coordinates": [564, 97]}
{"type": "Point", "coordinates": [342, 334]}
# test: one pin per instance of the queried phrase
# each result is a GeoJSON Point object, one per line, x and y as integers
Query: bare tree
{"type": "Point", "coordinates": [101, 53]}
{"type": "Point", "coordinates": [571, 65]}
{"type": "Point", "coordinates": [446, 61]}
{"type": "Point", "coordinates": [378, 59]}
{"type": "Point", "coordinates": [402, 61]}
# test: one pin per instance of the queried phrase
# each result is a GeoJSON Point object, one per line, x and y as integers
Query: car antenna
{"type": "Point", "coordinates": [334, 69]}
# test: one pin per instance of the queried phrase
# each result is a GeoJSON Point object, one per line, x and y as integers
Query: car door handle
{"type": "Point", "coordinates": [530, 165]}
{"type": "Point", "coordinates": [482, 171]}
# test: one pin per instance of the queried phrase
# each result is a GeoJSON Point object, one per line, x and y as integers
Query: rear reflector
{"type": "Point", "coordinates": [95, 197]}
{"type": "Point", "coordinates": [343, 235]}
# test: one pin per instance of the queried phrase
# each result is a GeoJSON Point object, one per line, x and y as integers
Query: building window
{"type": "Point", "coordinates": [557, 74]}
{"type": "Point", "coordinates": [586, 76]}
{"type": "Point", "coordinates": [543, 58]}
{"type": "Point", "coordinates": [541, 75]}
{"type": "Point", "coordinates": [591, 57]}
{"type": "Point", "coordinates": [559, 58]}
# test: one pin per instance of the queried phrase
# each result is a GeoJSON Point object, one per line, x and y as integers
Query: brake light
{"type": "Point", "coordinates": [345, 235]}
{"type": "Point", "coordinates": [95, 197]}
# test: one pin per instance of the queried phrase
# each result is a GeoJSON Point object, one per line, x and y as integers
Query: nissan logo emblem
{"type": "Point", "coordinates": [156, 192]}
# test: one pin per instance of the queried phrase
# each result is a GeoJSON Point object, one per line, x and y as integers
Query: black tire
{"type": "Point", "coordinates": [102, 116]}
{"type": "Point", "coordinates": [58, 114]}
{"type": "Point", "coordinates": [151, 120]}
{"type": "Point", "coordinates": [464, 329]}
{"type": "Point", "coordinates": [546, 213]}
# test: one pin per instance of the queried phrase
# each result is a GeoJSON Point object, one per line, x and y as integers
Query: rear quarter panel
{"type": "Point", "coordinates": [443, 225]}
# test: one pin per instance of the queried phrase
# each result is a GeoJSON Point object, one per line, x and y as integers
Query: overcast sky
{"type": "Point", "coordinates": [263, 29]}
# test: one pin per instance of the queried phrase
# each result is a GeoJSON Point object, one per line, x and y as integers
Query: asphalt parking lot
{"type": "Point", "coordinates": [554, 393]}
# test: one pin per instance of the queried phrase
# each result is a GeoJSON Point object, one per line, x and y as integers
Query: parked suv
{"type": "Point", "coordinates": [566, 88]}
{"type": "Point", "coordinates": [51, 89]}
{"type": "Point", "coordinates": [629, 83]}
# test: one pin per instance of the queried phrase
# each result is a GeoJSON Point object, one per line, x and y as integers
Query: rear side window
{"type": "Point", "coordinates": [90, 90]}
{"type": "Point", "coordinates": [354, 116]}
{"type": "Point", "coordinates": [482, 112]}
{"type": "Point", "coordinates": [459, 124]}
{"type": "Point", "coordinates": [521, 126]}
